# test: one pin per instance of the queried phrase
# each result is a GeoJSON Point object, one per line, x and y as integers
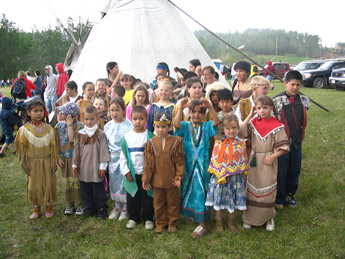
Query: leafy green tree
{"type": "Point", "coordinates": [15, 46]}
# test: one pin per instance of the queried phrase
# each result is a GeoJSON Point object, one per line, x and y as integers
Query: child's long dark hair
{"type": "Point", "coordinates": [226, 120]}
{"type": "Point", "coordinates": [85, 85]}
{"type": "Point", "coordinates": [30, 106]}
{"type": "Point", "coordinates": [118, 101]}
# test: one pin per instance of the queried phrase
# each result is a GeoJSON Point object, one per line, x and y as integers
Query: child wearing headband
{"type": "Point", "coordinates": [163, 172]}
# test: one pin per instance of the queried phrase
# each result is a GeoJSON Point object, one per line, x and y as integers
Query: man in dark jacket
{"type": "Point", "coordinates": [7, 122]}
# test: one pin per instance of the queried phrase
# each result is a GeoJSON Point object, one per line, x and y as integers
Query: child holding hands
{"type": "Point", "coordinates": [196, 135]}
{"type": "Point", "coordinates": [90, 160]}
{"type": "Point", "coordinates": [268, 142]}
{"type": "Point", "coordinates": [37, 152]}
{"type": "Point", "coordinates": [163, 170]}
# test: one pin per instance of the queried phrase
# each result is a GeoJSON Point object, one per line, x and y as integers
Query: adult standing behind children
{"type": "Point", "coordinates": [208, 76]}
{"type": "Point", "coordinates": [271, 69]}
{"type": "Point", "coordinates": [50, 90]}
{"type": "Point", "coordinates": [161, 68]}
{"type": "Point", "coordinates": [62, 79]}
{"type": "Point", "coordinates": [195, 66]}
{"type": "Point", "coordinates": [37, 80]}
{"type": "Point", "coordinates": [71, 94]}
{"type": "Point", "coordinates": [21, 87]}
{"type": "Point", "coordinates": [260, 86]}
{"type": "Point", "coordinates": [113, 73]}
{"type": "Point", "coordinates": [241, 86]}
{"type": "Point", "coordinates": [291, 109]}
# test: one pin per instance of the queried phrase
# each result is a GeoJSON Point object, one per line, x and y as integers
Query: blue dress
{"type": "Point", "coordinates": [157, 108]}
{"type": "Point", "coordinates": [114, 133]}
{"type": "Point", "coordinates": [196, 143]}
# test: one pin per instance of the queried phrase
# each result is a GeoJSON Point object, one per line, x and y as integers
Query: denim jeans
{"type": "Point", "coordinates": [51, 102]}
{"type": "Point", "coordinates": [289, 168]}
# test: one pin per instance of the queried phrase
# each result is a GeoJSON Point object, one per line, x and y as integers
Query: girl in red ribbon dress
{"type": "Point", "coordinates": [268, 142]}
{"type": "Point", "coordinates": [228, 164]}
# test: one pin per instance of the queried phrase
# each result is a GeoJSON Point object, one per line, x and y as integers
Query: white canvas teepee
{"type": "Point", "coordinates": [137, 34]}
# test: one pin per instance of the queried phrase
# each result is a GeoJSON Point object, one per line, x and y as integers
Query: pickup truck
{"type": "Point", "coordinates": [280, 67]}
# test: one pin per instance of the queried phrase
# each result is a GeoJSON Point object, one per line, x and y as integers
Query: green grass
{"type": "Point", "coordinates": [315, 229]}
{"type": "Point", "coordinates": [291, 59]}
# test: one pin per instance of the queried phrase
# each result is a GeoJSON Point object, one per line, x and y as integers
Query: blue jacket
{"type": "Point", "coordinates": [6, 117]}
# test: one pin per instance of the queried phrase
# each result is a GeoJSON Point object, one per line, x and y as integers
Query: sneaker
{"type": "Point", "coordinates": [290, 201]}
{"type": "Point", "coordinates": [131, 224]}
{"type": "Point", "coordinates": [2, 155]}
{"type": "Point", "coordinates": [69, 208]}
{"type": "Point", "coordinates": [102, 212]}
{"type": "Point", "coordinates": [114, 214]}
{"type": "Point", "coordinates": [246, 226]}
{"type": "Point", "coordinates": [80, 209]}
{"type": "Point", "coordinates": [123, 215]}
{"type": "Point", "coordinates": [270, 225]}
{"type": "Point", "coordinates": [279, 206]}
{"type": "Point", "coordinates": [149, 225]}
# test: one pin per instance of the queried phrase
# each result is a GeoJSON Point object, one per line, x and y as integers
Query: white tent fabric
{"type": "Point", "coordinates": [137, 34]}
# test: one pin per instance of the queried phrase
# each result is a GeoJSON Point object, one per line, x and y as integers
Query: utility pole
{"type": "Point", "coordinates": [276, 46]}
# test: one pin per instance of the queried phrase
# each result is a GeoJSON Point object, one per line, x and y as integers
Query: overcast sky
{"type": "Point", "coordinates": [306, 16]}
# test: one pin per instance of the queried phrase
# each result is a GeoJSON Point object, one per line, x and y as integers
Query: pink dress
{"type": "Point", "coordinates": [129, 112]}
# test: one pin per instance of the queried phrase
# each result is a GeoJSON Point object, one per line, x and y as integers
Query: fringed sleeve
{"type": "Point", "coordinates": [57, 140]}
{"type": "Point", "coordinates": [21, 145]}
{"type": "Point", "coordinates": [76, 151]}
{"type": "Point", "coordinates": [54, 151]}
{"type": "Point", "coordinates": [178, 159]}
{"type": "Point", "coordinates": [149, 165]}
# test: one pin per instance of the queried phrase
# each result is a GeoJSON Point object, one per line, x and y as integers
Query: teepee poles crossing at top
{"type": "Point", "coordinates": [240, 52]}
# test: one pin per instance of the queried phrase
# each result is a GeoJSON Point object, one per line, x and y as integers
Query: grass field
{"type": "Point", "coordinates": [315, 229]}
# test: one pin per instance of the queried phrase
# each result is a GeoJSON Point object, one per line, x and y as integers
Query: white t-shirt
{"type": "Point", "coordinates": [136, 145]}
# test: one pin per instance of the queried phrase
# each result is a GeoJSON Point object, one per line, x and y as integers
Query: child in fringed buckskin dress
{"type": "Point", "coordinates": [37, 153]}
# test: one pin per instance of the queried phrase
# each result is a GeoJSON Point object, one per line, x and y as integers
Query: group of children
{"type": "Point", "coordinates": [214, 160]}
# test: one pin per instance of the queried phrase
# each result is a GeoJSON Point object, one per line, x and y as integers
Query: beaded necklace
{"type": "Point", "coordinates": [35, 124]}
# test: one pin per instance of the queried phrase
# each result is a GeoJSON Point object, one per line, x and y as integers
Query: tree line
{"type": "Point", "coordinates": [262, 42]}
{"type": "Point", "coordinates": [33, 50]}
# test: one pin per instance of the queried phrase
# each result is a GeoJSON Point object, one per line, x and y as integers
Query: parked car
{"type": "Point", "coordinates": [280, 67]}
{"type": "Point", "coordinates": [309, 65]}
{"type": "Point", "coordinates": [319, 78]}
{"type": "Point", "coordinates": [337, 79]}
